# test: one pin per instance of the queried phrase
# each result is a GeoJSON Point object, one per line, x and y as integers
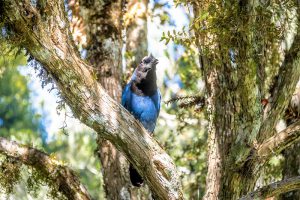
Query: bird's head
{"type": "Point", "coordinates": [146, 70]}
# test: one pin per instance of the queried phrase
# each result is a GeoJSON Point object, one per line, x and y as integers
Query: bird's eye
{"type": "Point", "coordinates": [147, 60]}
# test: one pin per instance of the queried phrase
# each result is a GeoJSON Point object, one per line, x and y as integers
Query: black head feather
{"type": "Point", "coordinates": [145, 77]}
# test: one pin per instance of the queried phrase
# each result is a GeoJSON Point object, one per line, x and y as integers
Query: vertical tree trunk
{"type": "Point", "coordinates": [225, 179]}
{"type": "Point", "coordinates": [238, 122]}
{"type": "Point", "coordinates": [136, 32]}
{"type": "Point", "coordinates": [135, 22]}
{"type": "Point", "coordinates": [103, 23]}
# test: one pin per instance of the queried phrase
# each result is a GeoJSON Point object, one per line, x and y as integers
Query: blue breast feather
{"type": "Point", "coordinates": [143, 108]}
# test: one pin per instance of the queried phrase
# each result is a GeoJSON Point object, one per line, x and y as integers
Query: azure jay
{"type": "Point", "coordinates": [141, 98]}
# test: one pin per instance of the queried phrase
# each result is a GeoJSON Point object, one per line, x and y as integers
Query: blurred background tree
{"type": "Point", "coordinates": [18, 119]}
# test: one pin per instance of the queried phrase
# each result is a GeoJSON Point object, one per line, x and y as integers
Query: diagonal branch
{"type": "Point", "coordinates": [274, 189]}
{"type": "Point", "coordinates": [273, 145]}
{"type": "Point", "coordinates": [278, 142]}
{"type": "Point", "coordinates": [47, 38]}
{"type": "Point", "coordinates": [66, 180]}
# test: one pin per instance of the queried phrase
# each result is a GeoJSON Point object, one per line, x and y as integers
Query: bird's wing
{"type": "Point", "coordinates": [157, 100]}
{"type": "Point", "coordinates": [126, 96]}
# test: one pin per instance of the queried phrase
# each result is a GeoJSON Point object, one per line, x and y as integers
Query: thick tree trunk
{"type": "Point", "coordinates": [46, 36]}
{"type": "Point", "coordinates": [136, 32]}
{"type": "Point", "coordinates": [241, 130]}
{"type": "Point", "coordinates": [103, 28]}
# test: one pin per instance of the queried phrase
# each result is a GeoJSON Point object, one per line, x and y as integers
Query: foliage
{"type": "Point", "coordinates": [17, 178]}
{"type": "Point", "coordinates": [9, 174]}
{"type": "Point", "coordinates": [222, 30]}
{"type": "Point", "coordinates": [185, 141]}
{"type": "Point", "coordinates": [18, 120]}
{"type": "Point", "coordinates": [77, 150]}
{"type": "Point", "coordinates": [181, 127]}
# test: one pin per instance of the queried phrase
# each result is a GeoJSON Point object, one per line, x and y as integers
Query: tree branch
{"type": "Point", "coordinates": [274, 189]}
{"type": "Point", "coordinates": [278, 142]}
{"type": "Point", "coordinates": [66, 180]}
{"type": "Point", "coordinates": [47, 38]}
{"type": "Point", "coordinates": [285, 84]}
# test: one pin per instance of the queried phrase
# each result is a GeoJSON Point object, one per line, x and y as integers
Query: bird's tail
{"type": "Point", "coordinates": [135, 177]}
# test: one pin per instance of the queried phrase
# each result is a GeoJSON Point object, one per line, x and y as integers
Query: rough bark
{"type": "Point", "coordinates": [274, 189]}
{"type": "Point", "coordinates": [103, 28]}
{"type": "Point", "coordinates": [213, 177]}
{"type": "Point", "coordinates": [47, 38]}
{"type": "Point", "coordinates": [240, 127]}
{"type": "Point", "coordinates": [65, 179]}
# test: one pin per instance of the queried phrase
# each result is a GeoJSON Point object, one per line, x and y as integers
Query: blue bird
{"type": "Point", "coordinates": [141, 98]}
